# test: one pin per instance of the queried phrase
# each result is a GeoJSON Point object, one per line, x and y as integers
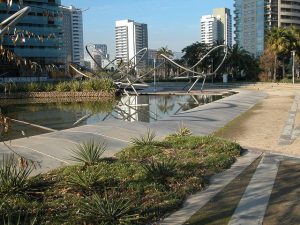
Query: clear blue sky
{"type": "Point", "coordinates": [172, 23]}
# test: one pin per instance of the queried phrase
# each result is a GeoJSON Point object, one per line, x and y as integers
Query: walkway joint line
{"type": "Point", "coordinates": [253, 205]}
{"type": "Point", "coordinates": [50, 156]}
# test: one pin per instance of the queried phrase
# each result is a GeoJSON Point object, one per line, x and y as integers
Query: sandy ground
{"type": "Point", "coordinates": [261, 127]}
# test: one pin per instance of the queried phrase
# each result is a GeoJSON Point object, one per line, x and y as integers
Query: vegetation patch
{"type": "Point", "coordinates": [140, 185]}
{"type": "Point", "coordinates": [92, 85]}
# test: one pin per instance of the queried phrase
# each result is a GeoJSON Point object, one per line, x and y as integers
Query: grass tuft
{"type": "Point", "coordinates": [13, 179]}
{"type": "Point", "coordinates": [87, 180]}
{"type": "Point", "coordinates": [89, 153]}
{"type": "Point", "coordinates": [160, 171]}
{"type": "Point", "coordinates": [107, 210]}
{"type": "Point", "coordinates": [145, 140]}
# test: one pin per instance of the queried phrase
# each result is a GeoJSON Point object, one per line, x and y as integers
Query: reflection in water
{"type": "Point", "coordinates": [58, 116]}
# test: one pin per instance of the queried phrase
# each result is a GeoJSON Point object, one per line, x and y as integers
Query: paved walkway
{"type": "Point", "coordinates": [54, 149]}
{"type": "Point", "coordinates": [271, 195]}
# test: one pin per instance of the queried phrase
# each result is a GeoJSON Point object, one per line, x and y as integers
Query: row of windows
{"type": "Point", "coordinates": [290, 2]}
{"type": "Point", "coordinates": [290, 17]}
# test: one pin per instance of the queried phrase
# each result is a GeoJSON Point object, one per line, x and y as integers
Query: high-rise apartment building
{"type": "Point", "coordinates": [253, 19]}
{"type": "Point", "coordinates": [131, 37]}
{"type": "Point", "coordinates": [209, 29]}
{"type": "Point", "coordinates": [217, 27]}
{"type": "Point", "coordinates": [102, 48]}
{"type": "Point", "coordinates": [73, 35]}
{"type": "Point", "coordinates": [223, 16]}
{"type": "Point", "coordinates": [45, 21]}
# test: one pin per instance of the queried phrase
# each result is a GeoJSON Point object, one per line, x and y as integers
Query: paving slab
{"type": "Point", "coordinates": [253, 205]}
{"type": "Point", "coordinates": [45, 162]}
{"type": "Point", "coordinates": [217, 183]}
{"type": "Point", "coordinates": [289, 134]}
{"type": "Point", "coordinates": [284, 204]}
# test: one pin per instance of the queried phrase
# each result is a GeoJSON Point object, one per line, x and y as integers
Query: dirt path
{"type": "Point", "coordinates": [262, 126]}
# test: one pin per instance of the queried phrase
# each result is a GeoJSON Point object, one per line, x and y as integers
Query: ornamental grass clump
{"type": "Point", "coordinates": [19, 220]}
{"type": "Point", "coordinates": [33, 87]}
{"type": "Point", "coordinates": [159, 171]}
{"type": "Point", "coordinates": [63, 87]}
{"type": "Point", "coordinates": [87, 180]}
{"type": "Point", "coordinates": [76, 86]}
{"type": "Point", "coordinates": [145, 140]}
{"type": "Point", "coordinates": [109, 210]}
{"type": "Point", "coordinates": [49, 87]}
{"type": "Point", "coordinates": [13, 179]}
{"type": "Point", "coordinates": [89, 153]}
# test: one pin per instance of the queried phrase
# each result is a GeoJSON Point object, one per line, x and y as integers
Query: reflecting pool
{"type": "Point", "coordinates": [64, 115]}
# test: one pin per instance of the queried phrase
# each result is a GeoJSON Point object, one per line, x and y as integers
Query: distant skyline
{"type": "Point", "coordinates": [172, 23]}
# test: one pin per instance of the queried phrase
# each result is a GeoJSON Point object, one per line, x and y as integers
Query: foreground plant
{"type": "Point", "coordinates": [160, 171]}
{"type": "Point", "coordinates": [13, 179]}
{"type": "Point", "coordinates": [89, 152]}
{"type": "Point", "coordinates": [87, 180]}
{"type": "Point", "coordinates": [107, 210]}
{"type": "Point", "coordinates": [19, 219]}
{"type": "Point", "coordinates": [183, 131]}
{"type": "Point", "coordinates": [144, 140]}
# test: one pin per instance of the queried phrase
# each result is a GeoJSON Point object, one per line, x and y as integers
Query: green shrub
{"type": "Point", "coordinates": [63, 87]}
{"type": "Point", "coordinates": [49, 87]}
{"type": "Point", "coordinates": [184, 142]}
{"type": "Point", "coordinates": [13, 179]}
{"type": "Point", "coordinates": [139, 152]}
{"type": "Point", "coordinates": [108, 210]}
{"type": "Point", "coordinates": [182, 132]}
{"type": "Point", "coordinates": [89, 153]}
{"type": "Point", "coordinates": [19, 219]}
{"type": "Point", "coordinates": [98, 85]}
{"type": "Point", "coordinates": [160, 171]}
{"type": "Point", "coordinates": [86, 180]}
{"type": "Point", "coordinates": [145, 140]}
{"type": "Point", "coordinates": [33, 87]}
{"type": "Point", "coordinates": [76, 86]}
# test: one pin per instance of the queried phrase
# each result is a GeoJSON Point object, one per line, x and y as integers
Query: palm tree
{"type": "Point", "coordinates": [167, 52]}
{"type": "Point", "coordinates": [278, 41]}
{"type": "Point", "coordinates": [238, 60]}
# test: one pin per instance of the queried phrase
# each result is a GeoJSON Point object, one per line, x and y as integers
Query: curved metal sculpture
{"type": "Point", "coordinates": [199, 75]}
{"type": "Point", "coordinates": [125, 76]}
{"type": "Point", "coordinates": [129, 81]}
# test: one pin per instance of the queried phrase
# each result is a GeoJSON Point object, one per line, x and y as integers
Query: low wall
{"type": "Point", "coordinates": [57, 95]}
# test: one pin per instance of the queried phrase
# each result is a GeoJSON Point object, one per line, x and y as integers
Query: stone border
{"type": "Point", "coordinates": [289, 133]}
{"type": "Point", "coordinates": [58, 95]}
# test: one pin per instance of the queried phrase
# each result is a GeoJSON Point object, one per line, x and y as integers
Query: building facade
{"type": "Point", "coordinates": [131, 37]}
{"type": "Point", "coordinates": [103, 49]}
{"type": "Point", "coordinates": [224, 18]}
{"type": "Point", "coordinates": [254, 18]}
{"type": "Point", "coordinates": [209, 29]}
{"type": "Point", "coordinates": [73, 35]}
{"type": "Point", "coordinates": [217, 27]}
{"type": "Point", "coordinates": [45, 22]}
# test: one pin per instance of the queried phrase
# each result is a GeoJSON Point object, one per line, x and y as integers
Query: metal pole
{"type": "Point", "coordinates": [293, 72]}
{"type": "Point", "coordinates": [154, 75]}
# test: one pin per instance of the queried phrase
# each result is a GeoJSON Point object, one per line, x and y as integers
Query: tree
{"type": "Point", "coordinates": [281, 41]}
{"type": "Point", "coordinates": [267, 64]}
{"type": "Point", "coordinates": [167, 52]}
{"type": "Point", "coordinates": [240, 62]}
{"type": "Point", "coordinates": [193, 52]}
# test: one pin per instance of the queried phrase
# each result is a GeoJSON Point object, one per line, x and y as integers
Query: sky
{"type": "Point", "coordinates": [171, 23]}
